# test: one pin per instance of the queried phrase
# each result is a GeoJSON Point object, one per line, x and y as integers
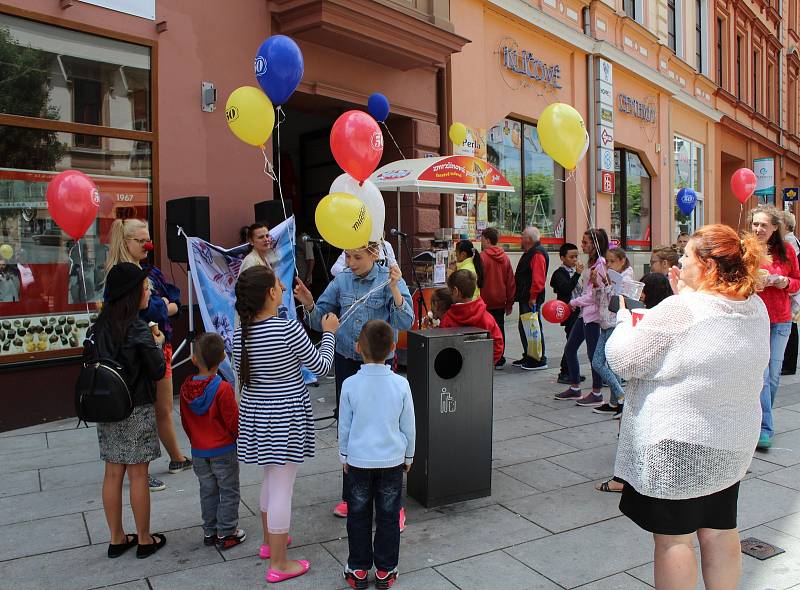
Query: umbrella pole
{"type": "Point", "coordinates": [399, 249]}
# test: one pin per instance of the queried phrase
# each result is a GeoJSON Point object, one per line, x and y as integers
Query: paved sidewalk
{"type": "Point", "coordinates": [544, 527]}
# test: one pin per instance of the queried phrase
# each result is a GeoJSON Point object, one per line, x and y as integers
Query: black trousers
{"type": "Point", "coordinates": [790, 355]}
{"type": "Point", "coordinates": [499, 316]}
{"type": "Point", "coordinates": [567, 327]}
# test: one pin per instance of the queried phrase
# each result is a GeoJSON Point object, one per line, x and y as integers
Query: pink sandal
{"type": "Point", "coordinates": [274, 576]}
{"type": "Point", "coordinates": [264, 552]}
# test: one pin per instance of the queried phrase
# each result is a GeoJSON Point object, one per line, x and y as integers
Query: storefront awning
{"type": "Point", "coordinates": [444, 174]}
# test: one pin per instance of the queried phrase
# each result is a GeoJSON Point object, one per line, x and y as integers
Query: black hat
{"type": "Point", "coordinates": [122, 279]}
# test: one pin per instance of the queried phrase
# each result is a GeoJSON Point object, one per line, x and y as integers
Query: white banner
{"type": "Point", "coordinates": [142, 8]}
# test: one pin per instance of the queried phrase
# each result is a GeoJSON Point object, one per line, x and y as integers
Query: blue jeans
{"type": "Point", "coordinates": [580, 332]}
{"type": "Point", "coordinates": [601, 366]}
{"type": "Point", "coordinates": [778, 337]}
{"type": "Point", "coordinates": [219, 492]}
{"type": "Point", "coordinates": [381, 488]}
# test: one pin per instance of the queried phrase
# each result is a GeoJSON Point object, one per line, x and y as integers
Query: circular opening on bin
{"type": "Point", "coordinates": [448, 363]}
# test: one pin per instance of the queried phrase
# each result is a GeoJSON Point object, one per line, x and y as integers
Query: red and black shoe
{"type": "Point", "coordinates": [385, 580]}
{"type": "Point", "coordinates": [356, 578]}
{"type": "Point", "coordinates": [229, 541]}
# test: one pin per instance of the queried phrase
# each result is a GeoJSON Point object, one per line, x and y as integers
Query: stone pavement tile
{"type": "Point", "coordinates": [494, 570]}
{"type": "Point", "coordinates": [589, 435]}
{"type": "Point", "coordinates": [65, 439]}
{"type": "Point", "coordinates": [136, 585]}
{"type": "Point", "coordinates": [787, 397]}
{"type": "Point", "coordinates": [427, 579]}
{"type": "Point", "coordinates": [594, 463]}
{"type": "Point", "coordinates": [67, 424]}
{"type": "Point", "coordinates": [617, 582]}
{"type": "Point", "coordinates": [526, 448]}
{"type": "Point", "coordinates": [759, 468]}
{"type": "Point", "coordinates": [761, 501]}
{"type": "Point", "coordinates": [21, 482]}
{"type": "Point", "coordinates": [572, 415]}
{"type": "Point", "coordinates": [41, 536]}
{"type": "Point", "coordinates": [785, 420]}
{"type": "Point", "coordinates": [567, 508]}
{"type": "Point", "coordinates": [51, 503]}
{"type": "Point", "coordinates": [324, 460]}
{"type": "Point", "coordinates": [28, 442]}
{"type": "Point", "coordinates": [543, 475]}
{"type": "Point", "coordinates": [442, 540]}
{"type": "Point", "coordinates": [248, 573]}
{"type": "Point", "coordinates": [519, 426]}
{"type": "Point", "coordinates": [788, 524]}
{"type": "Point", "coordinates": [89, 567]}
{"type": "Point", "coordinates": [504, 489]}
{"type": "Point", "coordinates": [787, 476]}
{"type": "Point", "coordinates": [308, 490]}
{"type": "Point", "coordinates": [622, 543]}
{"type": "Point", "coordinates": [67, 476]}
{"type": "Point", "coordinates": [42, 459]}
{"type": "Point", "coordinates": [793, 407]}
{"type": "Point", "coordinates": [510, 408]}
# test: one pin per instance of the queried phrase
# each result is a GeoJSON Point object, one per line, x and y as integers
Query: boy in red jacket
{"type": "Point", "coordinates": [466, 312]}
{"type": "Point", "coordinates": [499, 287]}
{"type": "Point", "coordinates": [210, 417]}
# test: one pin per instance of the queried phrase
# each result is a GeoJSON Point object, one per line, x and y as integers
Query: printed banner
{"type": "Point", "coordinates": [765, 176]}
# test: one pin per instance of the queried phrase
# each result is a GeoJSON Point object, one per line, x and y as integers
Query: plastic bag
{"type": "Point", "coordinates": [530, 323]}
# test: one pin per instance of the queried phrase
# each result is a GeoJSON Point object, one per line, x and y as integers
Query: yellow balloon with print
{"type": "Point", "coordinates": [562, 134]}
{"type": "Point", "coordinates": [250, 115]}
{"type": "Point", "coordinates": [6, 251]}
{"type": "Point", "coordinates": [343, 221]}
{"type": "Point", "coordinates": [458, 133]}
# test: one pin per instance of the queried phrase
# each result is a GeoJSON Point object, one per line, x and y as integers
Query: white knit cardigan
{"type": "Point", "coordinates": [695, 366]}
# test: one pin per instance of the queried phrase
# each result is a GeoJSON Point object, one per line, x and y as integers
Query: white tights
{"type": "Point", "coordinates": [276, 496]}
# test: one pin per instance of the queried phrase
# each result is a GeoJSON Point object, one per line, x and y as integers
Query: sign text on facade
{"type": "Point", "coordinates": [638, 109]}
{"type": "Point", "coordinates": [525, 63]}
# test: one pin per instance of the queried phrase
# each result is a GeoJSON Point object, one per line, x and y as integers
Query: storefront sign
{"type": "Point", "coordinates": [638, 109]}
{"type": "Point", "coordinates": [765, 176]}
{"type": "Point", "coordinates": [606, 136]}
{"type": "Point", "coordinates": [605, 93]}
{"type": "Point", "coordinates": [525, 63]}
{"type": "Point", "coordinates": [790, 194]}
{"type": "Point", "coordinates": [606, 182]}
{"type": "Point", "coordinates": [605, 126]}
{"type": "Point", "coordinates": [142, 8]}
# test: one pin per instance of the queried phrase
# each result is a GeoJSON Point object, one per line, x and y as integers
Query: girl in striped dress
{"type": "Point", "coordinates": [276, 423]}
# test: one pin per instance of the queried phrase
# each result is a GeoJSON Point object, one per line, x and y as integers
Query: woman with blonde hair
{"type": "Point", "coordinates": [129, 241]}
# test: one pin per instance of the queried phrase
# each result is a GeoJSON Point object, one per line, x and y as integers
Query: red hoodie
{"type": "Point", "coordinates": [209, 415]}
{"type": "Point", "coordinates": [474, 315]}
{"type": "Point", "coordinates": [498, 288]}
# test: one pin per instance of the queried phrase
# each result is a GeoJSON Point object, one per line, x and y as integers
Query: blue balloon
{"type": "Point", "coordinates": [686, 199]}
{"type": "Point", "coordinates": [378, 106]}
{"type": "Point", "coordinates": [279, 68]}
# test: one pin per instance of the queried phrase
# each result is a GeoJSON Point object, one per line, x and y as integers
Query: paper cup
{"type": "Point", "coordinates": [637, 315]}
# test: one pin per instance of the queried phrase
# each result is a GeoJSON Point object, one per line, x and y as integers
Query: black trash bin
{"type": "Point", "coordinates": [450, 372]}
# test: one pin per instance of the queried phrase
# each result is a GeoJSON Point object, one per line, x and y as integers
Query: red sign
{"type": "Point", "coordinates": [606, 182]}
{"type": "Point", "coordinates": [464, 170]}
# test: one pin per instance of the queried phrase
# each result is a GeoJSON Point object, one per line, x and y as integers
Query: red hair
{"type": "Point", "coordinates": [731, 262]}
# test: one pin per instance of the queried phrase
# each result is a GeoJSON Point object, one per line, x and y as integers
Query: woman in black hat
{"type": "Point", "coordinates": [129, 445]}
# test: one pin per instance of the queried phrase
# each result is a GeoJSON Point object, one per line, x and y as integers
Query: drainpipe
{"type": "Point", "coordinates": [587, 30]}
{"type": "Point", "coordinates": [780, 87]}
{"type": "Point", "coordinates": [443, 119]}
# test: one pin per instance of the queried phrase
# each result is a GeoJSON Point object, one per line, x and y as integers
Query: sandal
{"type": "Point", "coordinates": [605, 487]}
{"type": "Point", "coordinates": [145, 551]}
{"type": "Point", "coordinates": [120, 548]}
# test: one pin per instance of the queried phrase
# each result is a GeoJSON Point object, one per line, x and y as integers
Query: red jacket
{"type": "Point", "coordinates": [474, 315]}
{"type": "Point", "coordinates": [209, 415]}
{"type": "Point", "coordinates": [499, 288]}
{"type": "Point", "coordinates": [779, 305]}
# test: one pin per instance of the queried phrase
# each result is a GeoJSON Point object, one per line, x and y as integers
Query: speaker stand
{"type": "Point", "coordinates": [190, 335]}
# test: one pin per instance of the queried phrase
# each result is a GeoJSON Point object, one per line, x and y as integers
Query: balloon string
{"type": "Point", "coordinates": [585, 207]}
{"type": "Point", "coordinates": [360, 301]}
{"type": "Point", "coordinates": [741, 210]}
{"type": "Point", "coordinates": [385, 126]}
{"type": "Point", "coordinates": [83, 280]}
{"type": "Point", "coordinates": [281, 118]}
{"type": "Point", "coordinates": [268, 169]}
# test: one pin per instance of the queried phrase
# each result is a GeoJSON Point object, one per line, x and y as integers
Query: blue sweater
{"type": "Point", "coordinates": [376, 419]}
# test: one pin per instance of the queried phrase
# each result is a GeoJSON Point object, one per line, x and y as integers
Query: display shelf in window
{"type": "Point", "coordinates": [26, 338]}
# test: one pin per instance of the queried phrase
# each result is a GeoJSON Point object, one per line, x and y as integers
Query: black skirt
{"type": "Point", "coordinates": [681, 517]}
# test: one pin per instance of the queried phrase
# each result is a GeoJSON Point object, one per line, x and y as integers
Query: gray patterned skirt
{"type": "Point", "coordinates": [131, 441]}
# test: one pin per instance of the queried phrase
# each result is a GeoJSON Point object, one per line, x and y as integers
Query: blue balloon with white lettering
{"type": "Point", "coordinates": [279, 68]}
{"type": "Point", "coordinates": [686, 199]}
{"type": "Point", "coordinates": [378, 106]}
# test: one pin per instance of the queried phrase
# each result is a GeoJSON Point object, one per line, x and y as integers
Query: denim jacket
{"type": "Point", "coordinates": [345, 289]}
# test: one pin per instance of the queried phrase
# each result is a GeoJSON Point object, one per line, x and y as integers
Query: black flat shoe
{"type": "Point", "coordinates": [117, 550]}
{"type": "Point", "coordinates": [145, 551]}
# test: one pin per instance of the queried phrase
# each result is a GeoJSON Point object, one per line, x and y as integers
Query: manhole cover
{"type": "Point", "coordinates": [760, 549]}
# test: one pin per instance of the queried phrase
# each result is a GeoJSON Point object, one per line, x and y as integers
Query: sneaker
{"type": "Point", "coordinates": [618, 414]}
{"type": "Point", "coordinates": [518, 362]}
{"type": "Point", "coordinates": [209, 540]}
{"type": "Point", "coordinates": [606, 409]}
{"type": "Point", "coordinates": [402, 519]}
{"type": "Point", "coordinates": [385, 580]}
{"type": "Point", "coordinates": [340, 510]}
{"type": "Point", "coordinates": [533, 365]}
{"type": "Point", "coordinates": [590, 399]}
{"type": "Point", "coordinates": [764, 441]}
{"type": "Point", "coordinates": [356, 578]}
{"type": "Point", "coordinates": [155, 485]}
{"type": "Point", "coordinates": [500, 365]}
{"type": "Point", "coordinates": [567, 394]}
{"type": "Point", "coordinates": [565, 380]}
{"type": "Point", "coordinates": [178, 466]}
{"type": "Point", "coordinates": [228, 541]}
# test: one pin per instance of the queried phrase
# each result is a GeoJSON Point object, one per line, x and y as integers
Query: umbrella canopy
{"type": "Point", "coordinates": [443, 174]}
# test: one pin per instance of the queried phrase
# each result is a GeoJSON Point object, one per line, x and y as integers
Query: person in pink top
{"type": "Point", "coordinates": [782, 278]}
{"type": "Point", "coordinates": [587, 326]}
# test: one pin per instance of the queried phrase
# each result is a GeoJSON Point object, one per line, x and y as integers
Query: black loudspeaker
{"type": "Point", "coordinates": [190, 213]}
{"type": "Point", "coordinates": [271, 212]}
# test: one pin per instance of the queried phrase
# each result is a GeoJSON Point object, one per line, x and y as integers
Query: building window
{"type": "Point", "coordinates": [720, 54]}
{"type": "Point", "coordinates": [688, 173]}
{"type": "Point", "coordinates": [538, 199]}
{"type": "Point", "coordinates": [629, 6]}
{"type": "Point", "coordinates": [792, 103]}
{"type": "Point", "coordinates": [739, 72]}
{"type": "Point", "coordinates": [630, 205]}
{"type": "Point", "coordinates": [754, 80]}
{"type": "Point", "coordinates": [768, 99]}
{"type": "Point", "coordinates": [698, 35]}
{"type": "Point", "coordinates": [671, 28]}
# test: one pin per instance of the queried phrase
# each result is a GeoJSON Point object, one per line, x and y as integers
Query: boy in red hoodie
{"type": "Point", "coordinates": [210, 417]}
{"type": "Point", "coordinates": [499, 287]}
{"type": "Point", "coordinates": [466, 312]}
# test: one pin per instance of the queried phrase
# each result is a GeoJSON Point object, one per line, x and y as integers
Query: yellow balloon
{"type": "Point", "coordinates": [6, 251]}
{"type": "Point", "coordinates": [458, 133]}
{"type": "Point", "coordinates": [250, 115]}
{"type": "Point", "coordinates": [562, 134]}
{"type": "Point", "coordinates": [343, 221]}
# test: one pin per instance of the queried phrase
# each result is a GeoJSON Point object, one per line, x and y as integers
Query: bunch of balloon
{"type": "Point", "coordinates": [743, 185]}
{"type": "Point", "coordinates": [686, 200]}
{"type": "Point", "coordinates": [368, 194]}
{"type": "Point", "coordinates": [343, 221]}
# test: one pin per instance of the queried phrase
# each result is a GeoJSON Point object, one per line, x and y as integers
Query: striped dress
{"type": "Point", "coordinates": [276, 423]}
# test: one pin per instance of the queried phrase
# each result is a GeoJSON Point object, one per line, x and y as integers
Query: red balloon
{"type": "Point", "coordinates": [357, 144]}
{"type": "Point", "coordinates": [73, 202]}
{"type": "Point", "coordinates": [743, 184]}
{"type": "Point", "coordinates": [556, 311]}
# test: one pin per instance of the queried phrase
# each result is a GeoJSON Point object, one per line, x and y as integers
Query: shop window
{"type": "Point", "coordinates": [69, 76]}
{"type": "Point", "coordinates": [630, 205]}
{"type": "Point", "coordinates": [538, 199]}
{"type": "Point", "coordinates": [688, 173]}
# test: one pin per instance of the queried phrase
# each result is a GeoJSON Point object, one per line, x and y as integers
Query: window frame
{"type": "Point", "coordinates": [622, 187]}
{"type": "Point", "coordinates": [720, 51]}
{"type": "Point", "coordinates": [739, 73]}
{"type": "Point", "coordinates": [699, 36]}
{"type": "Point", "coordinates": [672, 21]}
{"type": "Point", "coordinates": [754, 80]}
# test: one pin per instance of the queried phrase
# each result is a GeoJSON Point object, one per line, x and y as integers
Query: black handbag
{"type": "Point", "coordinates": [101, 391]}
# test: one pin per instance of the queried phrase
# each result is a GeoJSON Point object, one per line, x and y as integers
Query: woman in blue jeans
{"type": "Point", "coordinates": [781, 277]}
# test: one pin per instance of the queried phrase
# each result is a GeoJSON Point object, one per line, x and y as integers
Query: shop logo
{"type": "Point", "coordinates": [260, 66]}
{"type": "Point", "coordinates": [606, 116]}
{"type": "Point", "coordinates": [362, 214]}
{"type": "Point", "coordinates": [447, 403]}
{"type": "Point", "coordinates": [393, 174]}
{"type": "Point", "coordinates": [96, 197]}
{"type": "Point", "coordinates": [527, 64]}
{"type": "Point", "coordinates": [377, 141]}
{"type": "Point", "coordinates": [231, 114]}
{"type": "Point", "coordinates": [638, 109]}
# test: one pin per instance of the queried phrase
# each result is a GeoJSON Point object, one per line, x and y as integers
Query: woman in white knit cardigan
{"type": "Point", "coordinates": [694, 366]}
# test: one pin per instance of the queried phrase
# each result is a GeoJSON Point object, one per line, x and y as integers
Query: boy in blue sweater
{"type": "Point", "coordinates": [376, 446]}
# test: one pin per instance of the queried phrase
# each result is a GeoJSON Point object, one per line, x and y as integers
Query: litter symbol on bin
{"type": "Point", "coordinates": [448, 402]}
